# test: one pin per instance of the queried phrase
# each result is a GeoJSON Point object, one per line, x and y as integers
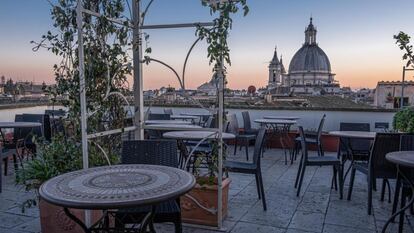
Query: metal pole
{"type": "Point", "coordinates": [82, 90]}
{"type": "Point", "coordinates": [138, 75]}
{"type": "Point", "coordinates": [402, 89]}
{"type": "Point", "coordinates": [220, 136]}
{"type": "Point", "coordinates": [220, 155]}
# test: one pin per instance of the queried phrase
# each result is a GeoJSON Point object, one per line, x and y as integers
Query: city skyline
{"type": "Point", "coordinates": [357, 37]}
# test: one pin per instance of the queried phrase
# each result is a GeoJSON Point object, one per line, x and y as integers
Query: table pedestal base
{"type": "Point", "coordinates": [104, 224]}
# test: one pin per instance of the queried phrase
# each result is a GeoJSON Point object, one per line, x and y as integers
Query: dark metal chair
{"type": "Point", "coordinates": [306, 160]}
{"type": "Point", "coordinates": [382, 126]}
{"type": "Point", "coordinates": [168, 111]}
{"type": "Point", "coordinates": [245, 139]}
{"type": "Point", "coordinates": [402, 188]}
{"type": "Point", "coordinates": [252, 168]}
{"type": "Point", "coordinates": [156, 152]}
{"type": "Point", "coordinates": [4, 156]}
{"type": "Point", "coordinates": [247, 124]}
{"type": "Point", "coordinates": [43, 131]}
{"type": "Point", "coordinates": [312, 138]}
{"type": "Point", "coordinates": [377, 166]}
{"type": "Point", "coordinates": [159, 116]}
{"type": "Point", "coordinates": [55, 112]}
{"type": "Point", "coordinates": [360, 148]}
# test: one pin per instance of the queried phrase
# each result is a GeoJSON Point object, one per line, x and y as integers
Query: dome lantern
{"type": "Point", "coordinates": [310, 33]}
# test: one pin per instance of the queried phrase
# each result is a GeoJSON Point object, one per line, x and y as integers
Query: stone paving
{"type": "Point", "coordinates": [318, 209]}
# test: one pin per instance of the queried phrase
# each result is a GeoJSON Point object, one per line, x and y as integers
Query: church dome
{"type": "Point", "coordinates": [310, 58]}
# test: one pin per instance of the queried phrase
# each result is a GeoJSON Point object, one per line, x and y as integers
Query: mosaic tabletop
{"type": "Point", "coordinates": [196, 135]}
{"type": "Point", "coordinates": [354, 134]}
{"type": "Point", "coordinates": [118, 186]}
{"type": "Point", "coordinates": [275, 121]}
{"type": "Point", "coordinates": [19, 124]}
{"type": "Point", "coordinates": [403, 158]}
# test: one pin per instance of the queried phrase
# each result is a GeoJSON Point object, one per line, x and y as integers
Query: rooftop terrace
{"type": "Point", "coordinates": [318, 209]}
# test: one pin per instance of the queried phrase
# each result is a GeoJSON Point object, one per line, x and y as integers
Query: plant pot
{"type": "Point", "coordinates": [207, 196]}
{"type": "Point", "coordinates": [54, 220]}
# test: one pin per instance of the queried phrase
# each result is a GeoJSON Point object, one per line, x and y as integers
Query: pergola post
{"type": "Point", "coordinates": [82, 91]}
{"type": "Point", "coordinates": [138, 77]}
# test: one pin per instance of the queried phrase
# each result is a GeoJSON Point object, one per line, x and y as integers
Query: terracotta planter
{"type": "Point", "coordinates": [207, 196]}
{"type": "Point", "coordinates": [54, 220]}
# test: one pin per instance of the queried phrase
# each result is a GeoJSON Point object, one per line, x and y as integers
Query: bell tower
{"type": "Point", "coordinates": [276, 71]}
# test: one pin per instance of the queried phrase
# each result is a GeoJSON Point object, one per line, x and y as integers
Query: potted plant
{"type": "Point", "coordinates": [200, 205]}
{"type": "Point", "coordinates": [404, 120]}
{"type": "Point", "coordinates": [59, 156]}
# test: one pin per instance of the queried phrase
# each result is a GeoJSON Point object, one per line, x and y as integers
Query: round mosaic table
{"type": "Point", "coordinates": [170, 122]}
{"type": "Point", "coordinates": [184, 117]}
{"type": "Point", "coordinates": [280, 129]}
{"type": "Point", "coordinates": [354, 134]}
{"type": "Point", "coordinates": [202, 117]}
{"type": "Point", "coordinates": [405, 165]}
{"type": "Point", "coordinates": [196, 135]}
{"type": "Point", "coordinates": [13, 125]}
{"type": "Point", "coordinates": [292, 118]}
{"type": "Point", "coordinates": [166, 127]}
{"type": "Point", "coordinates": [114, 187]}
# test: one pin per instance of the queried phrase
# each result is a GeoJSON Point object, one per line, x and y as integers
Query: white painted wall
{"type": "Point", "coordinates": [308, 119]}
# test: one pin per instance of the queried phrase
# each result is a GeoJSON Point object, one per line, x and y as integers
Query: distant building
{"type": "Point", "coordinates": [309, 70]}
{"type": "Point", "coordinates": [209, 88]}
{"type": "Point", "coordinates": [388, 94]}
{"type": "Point", "coordinates": [277, 72]}
{"type": "Point", "coordinates": [30, 89]}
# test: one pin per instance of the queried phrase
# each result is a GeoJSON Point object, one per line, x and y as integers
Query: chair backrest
{"type": "Point", "coordinates": [55, 112]}
{"type": "Point", "coordinates": [168, 111]}
{"type": "Point", "coordinates": [344, 126]}
{"type": "Point", "coordinates": [382, 126]}
{"type": "Point", "coordinates": [233, 124]}
{"type": "Point", "coordinates": [211, 122]}
{"type": "Point", "coordinates": [356, 144]}
{"type": "Point", "coordinates": [44, 131]}
{"type": "Point", "coordinates": [159, 116]}
{"type": "Point", "coordinates": [320, 128]}
{"type": "Point", "coordinates": [155, 152]}
{"type": "Point", "coordinates": [258, 146]}
{"type": "Point", "coordinates": [246, 120]}
{"type": "Point", "coordinates": [304, 147]}
{"type": "Point", "coordinates": [383, 144]}
{"type": "Point", "coordinates": [407, 142]}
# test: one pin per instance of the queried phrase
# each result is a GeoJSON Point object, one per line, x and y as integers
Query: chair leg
{"type": "Point", "coordinates": [262, 191]}
{"type": "Point", "coordinates": [402, 215]}
{"type": "Point", "coordinates": [351, 183]}
{"type": "Point", "coordinates": [321, 149]}
{"type": "Point", "coordinates": [258, 186]}
{"type": "Point", "coordinates": [178, 226]}
{"type": "Point", "coordinates": [235, 146]}
{"type": "Point", "coordinates": [151, 227]}
{"type": "Point", "coordinates": [396, 195]}
{"type": "Point", "coordinates": [298, 174]}
{"type": "Point", "coordinates": [341, 181]}
{"type": "Point", "coordinates": [302, 174]}
{"type": "Point", "coordinates": [6, 165]}
{"type": "Point", "coordinates": [247, 150]}
{"type": "Point", "coordinates": [384, 183]}
{"type": "Point", "coordinates": [335, 174]}
{"type": "Point", "coordinates": [389, 191]}
{"type": "Point", "coordinates": [370, 189]}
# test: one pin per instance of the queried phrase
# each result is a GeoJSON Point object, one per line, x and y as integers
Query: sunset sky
{"type": "Point", "coordinates": [357, 36]}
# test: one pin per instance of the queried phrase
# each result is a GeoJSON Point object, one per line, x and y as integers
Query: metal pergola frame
{"type": "Point", "coordinates": [139, 123]}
